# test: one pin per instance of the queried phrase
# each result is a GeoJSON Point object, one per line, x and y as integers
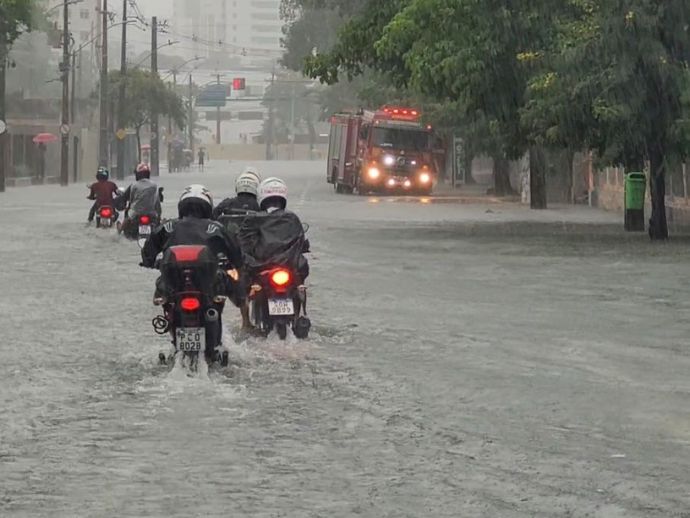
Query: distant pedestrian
{"type": "Point", "coordinates": [201, 159]}
{"type": "Point", "coordinates": [42, 161]}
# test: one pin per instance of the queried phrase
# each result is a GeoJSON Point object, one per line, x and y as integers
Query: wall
{"type": "Point", "coordinates": [609, 195]}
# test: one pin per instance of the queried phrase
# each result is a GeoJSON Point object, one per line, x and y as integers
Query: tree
{"type": "Point", "coordinates": [465, 54]}
{"type": "Point", "coordinates": [615, 81]}
{"type": "Point", "coordinates": [146, 93]}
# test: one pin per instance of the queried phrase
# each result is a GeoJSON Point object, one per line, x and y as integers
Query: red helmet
{"type": "Point", "coordinates": [142, 171]}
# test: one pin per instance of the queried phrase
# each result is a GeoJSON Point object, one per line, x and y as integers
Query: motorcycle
{"type": "Point", "coordinates": [273, 247]}
{"type": "Point", "coordinates": [191, 308]}
{"type": "Point", "coordinates": [277, 302]}
{"type": "Point", "coordinates": [106, 217]}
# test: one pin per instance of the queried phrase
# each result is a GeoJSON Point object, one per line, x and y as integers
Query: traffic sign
{"type": "Point", "coordinates": [3, 127]}
{"type": "Point", "coordinates": [64, 129]}
{"type": "Point", "coordinates": [121, 134]}
{"type": "Point", "coordinates": [213, 96]}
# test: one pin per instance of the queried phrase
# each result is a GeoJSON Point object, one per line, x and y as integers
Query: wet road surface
{"type": "Point", "coordinates": [466, 361]}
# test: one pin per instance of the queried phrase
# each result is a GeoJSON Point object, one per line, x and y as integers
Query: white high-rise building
{"type": "Point", "coordinates": [243, 27]}
{"type": "Point", "coordinates": [83, 20]}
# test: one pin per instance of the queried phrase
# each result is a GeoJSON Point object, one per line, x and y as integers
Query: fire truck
{"type": "Point", "coordinates": [387, 150]}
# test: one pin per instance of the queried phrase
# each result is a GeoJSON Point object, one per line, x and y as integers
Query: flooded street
{"type": "Point", "coordinates": [466, 361]}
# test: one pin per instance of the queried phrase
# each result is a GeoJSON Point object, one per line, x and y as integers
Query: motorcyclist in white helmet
{"type": "Point", "coordinates": [195, 227]}
{"type": "Point", "coordinates": [246, 189]}
{"type": "Point", "coordinates": [272, 198]}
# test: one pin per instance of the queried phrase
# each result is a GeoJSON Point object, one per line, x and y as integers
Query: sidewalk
{"type": "Point", "coordinates": [472, 193]}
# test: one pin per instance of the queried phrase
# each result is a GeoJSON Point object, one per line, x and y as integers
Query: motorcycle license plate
{"type": "Point", "coordinates": [144, 230]}
{"type": "Point", "coordinates": [190, 339]}
{"type": "Point", "coordinates": [281, 307]}
{"type": "Point", "coordinates": [106, 222]}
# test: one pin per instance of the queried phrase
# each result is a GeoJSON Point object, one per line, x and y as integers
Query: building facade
{"type": "Point", "coordinates": [243, 27]}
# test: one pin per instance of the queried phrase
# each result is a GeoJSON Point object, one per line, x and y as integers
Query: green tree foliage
{"type": "Point", "coordinates": [16, 16]}
{"type": "Point", "coordinates": [146, 93]}
{"type": "Point", "coordinates": [529, 74]}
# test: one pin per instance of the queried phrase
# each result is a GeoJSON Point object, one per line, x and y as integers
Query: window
{"type": "Point", "coordinates": [266, 4]}
{"type": "Point", "coordinates": [275, 29]}
{"type": "Point", "coordinates": [265, 41]}
{"type": "Point", "coordinates": [266, 16]}
{"type": "Point", "coordinates": [84, 14]}
{"type": "Point", "coordinates": [398, 138]}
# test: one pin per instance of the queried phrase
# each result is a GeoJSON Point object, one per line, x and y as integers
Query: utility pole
{"type": "Point", "coordinates": [3, 121]}
{"type": "Point", "coordinates": [170, 131]}
{"type": "Point", "coordinates": [103, 154]}
{"type": "Point", "coordinates": [154, 116]}
{"type": "Point", "coordinates": [121, 103]}
{"type": "Point", "coordinates": [218, 116]}
{"type": "Point", "coordinates": [72, 104]}
{"type": "Point", "coordinates": [292, 123]}
{"type": "Point", "coordinates": [65, 69]}
{"type": "Point", "coordinates": [190, 122]}
{"type": "Point", "coordinates": [269, 137]}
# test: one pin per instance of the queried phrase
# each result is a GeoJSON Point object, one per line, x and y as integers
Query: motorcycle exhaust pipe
{"type": "Point", "coordinates": [212, 315]}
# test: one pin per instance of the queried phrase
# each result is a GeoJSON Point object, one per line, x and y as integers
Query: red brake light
{"type": "Point", "coordinates": [190, 304]}
{"type": "Point", "coordinates": [145, 220]}
{"type": "Point", "coordinates": [186, 254]}
{"type": "Point", "coordinates": [106, 213]}
{"type": "Point", "coordinates": [280, 278]}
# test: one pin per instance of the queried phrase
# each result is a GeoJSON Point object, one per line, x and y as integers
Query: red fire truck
{"type": "Point", "coordinates": [387, 150]}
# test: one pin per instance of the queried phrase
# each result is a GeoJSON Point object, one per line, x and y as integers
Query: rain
{"type": "Point", "coordinates": [497, 234]}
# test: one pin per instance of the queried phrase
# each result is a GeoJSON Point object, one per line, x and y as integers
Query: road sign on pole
{"type": "Point", "coordinates": [459, 169]}
{"type": "Point", "coordinates": [212, 96]}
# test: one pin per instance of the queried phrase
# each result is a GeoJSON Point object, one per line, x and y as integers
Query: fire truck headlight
{"type": "Point", "coordinates": [388, 160]}
{"type": "Point", "coordinates": [425, 178]}
{"type": "Point", "coordinates": [374, 173]}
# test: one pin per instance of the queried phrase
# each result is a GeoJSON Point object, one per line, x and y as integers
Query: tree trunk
{"type": "Point", "coordinates": [658, 227]}
{"type": "Point", "coordinates": [570, 190]}
{"type": "Point", "coordinates": [138, 129]}
{"type": "Point", "coordinates": [537, 166]}
{"type": "Point", "coordinates": [502, 185]}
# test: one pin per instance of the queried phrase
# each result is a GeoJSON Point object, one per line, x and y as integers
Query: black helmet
{"type": "Point", "coordinates": [102, 173]}
{"type": "Point", "coordinates": [142, 171]}
{"type": "Point", "coordinates": [196, 202]}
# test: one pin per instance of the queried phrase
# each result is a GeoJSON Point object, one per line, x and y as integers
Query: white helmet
{"type": "Point", "coordinates": [248, 182]}
{"type": "Point", "coordinates": [196, 201]}
{"type": "Point", "coordinates": [272, 189]}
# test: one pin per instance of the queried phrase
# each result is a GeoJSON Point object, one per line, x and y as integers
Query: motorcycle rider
{"type": "Point", "coordinates": [195, 227]}
{"type": "Point", "coordinates": [141, 198]}
{"type": "Point", "coordinates": [103, 191]}
{"type": "Point", "coordinates": [246, 188]}
{"type": "Point", "coordinates": [272, 198]}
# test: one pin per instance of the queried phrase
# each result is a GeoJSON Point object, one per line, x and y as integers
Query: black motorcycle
{"type": "Point", "coordinates": [278, 302]}
{"type": "Point", "coordinates": [192, 305]}
{"type": "Point", "coordinates": [273, 246]}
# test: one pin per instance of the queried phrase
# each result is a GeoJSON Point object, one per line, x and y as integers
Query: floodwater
{"type": "Point", "coordinates": [466, 361]}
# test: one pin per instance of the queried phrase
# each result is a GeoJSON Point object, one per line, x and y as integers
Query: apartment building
{"type": "Point", "coordinates": [248, 27]}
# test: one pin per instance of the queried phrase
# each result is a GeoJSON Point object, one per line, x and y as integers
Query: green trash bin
{"type": "Point", "coordinates": [635, 190]}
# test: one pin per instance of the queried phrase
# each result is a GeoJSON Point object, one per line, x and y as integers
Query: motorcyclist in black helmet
{"type": "Point", "coordinates": [103, 192]}
{"type": "Point", "coordinates": [142, 198]}
{"type": "Point", "coordinates": [195, 227]}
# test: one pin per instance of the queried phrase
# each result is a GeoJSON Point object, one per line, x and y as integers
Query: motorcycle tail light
{"type": "Point", "coordinates": [145, 220]}
{"type": "Point", "coordinates": [280, 278]}
{"type": "Point", "coordinates": [190, 304]}
{"type": "Point", "coordinates": [106, 213]}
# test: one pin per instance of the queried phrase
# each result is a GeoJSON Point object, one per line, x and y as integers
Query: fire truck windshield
{"type": "Point", "coordinates": [400, 138]}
